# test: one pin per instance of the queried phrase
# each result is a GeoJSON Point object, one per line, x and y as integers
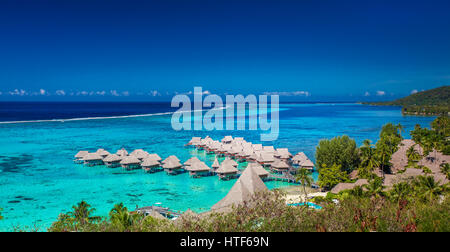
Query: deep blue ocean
{"type": "Point", "coordinates": [38, 179]}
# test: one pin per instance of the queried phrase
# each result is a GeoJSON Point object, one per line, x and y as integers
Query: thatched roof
{"type": "Point", "coordinates": [342, 186]}
{"type": "Point", "coordinates": [122, 152]}
{"type": "Point", "coordinates": [279, 164]}
{"type": "Point", "coordinates": [361, 182]}
{"type": "Point", "coordinates": [269, 149]}
{"type": "Point", "coordinates": [226, 168]}
{"type": "Point", "coordinates": [283, 153]}
{"type": "Point", "coordinates": [258, 169]}
{"type": "Point", "coordinates": [245, 187]}
{"type": "Point", "coordinates": [299, 157]}
{"type": "Point", "coordinates": [230, 162]}
{"type": "Point", "coordinates": [102, 152]}
{"type": "Point", "coordinates": [306, 163]}
{"type": "Point", "coordinates": [227, 139]}
{"type": "Point", "coordinates": [191, 160]}
{"type": "Point", "coordinates": [150, 162]}
{"type": "Point", "coordinates": [266, 157]}
{"type": "Point", "coordinates": [198, 166]}
{"type": "Point", "coordinates": [171, 157]}
{"type": "Point", "coordinates": [172, 164]}
{"type": "Point", "coordinates": [215, 164]}
{"type": "Point", "coordinates": [140, 154]}
{"type": "Point", "coordinates": [112, 158]}
{"type": "Point", "coordinates": [399, 160]}
{"type": "Point", "coordinates": [130, 160]}
{"type": "Point", "coordinates": [257, 147]}
{"type": "Point", "coordinates": [81, 154]}
{"type": "Point", "coordinates": [92, 157]}
{"type": "Point", "coordinates": [195, 140]}
{"type": "Point", "coordinates": [154, 156]}
{"type": "Point", "coordinates": [413, 172]}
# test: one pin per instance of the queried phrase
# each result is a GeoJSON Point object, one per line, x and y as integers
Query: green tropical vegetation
{"type": "Point", "coordinates": [304, 176]}
{"type": "Point", "coordinates": [435, 139]}
{"type": "Point", "coordinates": [430, 102]}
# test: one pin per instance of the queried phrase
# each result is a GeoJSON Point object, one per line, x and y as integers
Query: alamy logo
{"type": "Point", "coordinates": [209, 112]}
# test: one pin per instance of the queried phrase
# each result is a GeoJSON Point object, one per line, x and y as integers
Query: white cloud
{"type": "Point", "coordinates": [83, 93]}
{"type": "Point", "coordinates": [102, 93]}
{"type": "Point", "coordinates": [154, 93]}
{"type": "Point", "coordinates": [125, 93]}
{"type": "Point", "coordinates": [414, 91]}
{"type": "Point", "coordinates": [114, 93]}
{"type": "Point", "coordinates": [18, 92]}
{"type": "Point", "coordinates": [42, 91]}
{"type": "Point", "coordinates": [366, 93]}
{"type": "Point", "coordinates": [60, 92]}
{"type": "Point", "coordinates": [380, 93]}
{"type": "Point", "coordinates": [293, 93]}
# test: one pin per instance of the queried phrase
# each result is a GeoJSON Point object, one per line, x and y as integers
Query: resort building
{"type": "Point", "coordinates": [151, 165]}
{"type": "Point", "coordinates": [131, 163]}
{"type": "Point", "coordinates": [248, 184]}
{"type": "Point", "coordinates": [215, 164]}
{"type": "Point", "coordinates": [139, 154]}
{"type": "Point", "coordinates": [265, 159]}
{"type": "Point", "coordinates": [229, 161]}
{"type": "Point", "coordinates": [93, 159]}
{"type": "Point", "coordinates": [279, 166]}
{"type": "Point", "coordinates": [102, 153]}
{"type": "Point", "coordinates": [260, 171]}
{"type": "Point", "coordinates": [154, 156]}
{"type": "Point", "coordinates": [190, 161]}
{"type": "Point", "coordinates": [122, 152]}
{"type": "Point", "coordinates": [283, 154]}
{"type": "Point", "coordinates": [198, 169]}
{"type": "Point", "coordinates": [171, 157]}
{"type": "Point", "coordinates": [227, 171]}
{"type": "Point", "coordinates": [112, 160]}
{"type": "Point", "coordinates": [298, 158]}
{"type": "Point", "coordinates": [194, 141]}
{"type": "Point", "coordinates": [172, 166]}
{"type": "Point", "coordinates": [79, 157]}
{"type": "Point", "coordinates": [227, 139]}
{"type": "Point", "coordinates": [306, 164]}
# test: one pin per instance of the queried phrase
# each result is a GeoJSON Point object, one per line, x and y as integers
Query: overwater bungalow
{"type": "Point", "coordinates": [242, 191]}
{"type": "Point", "coordinates": [257, 147]}
{"type": "Point", "coordinates": [122, 152]}
{"type": "Point", "coordinates": [171, 157]}
{"type": "Point", "coordinates": [139, 154]}
{"type": "Point", "coordinates": [283, 154]}
{"type": "Point", "coordinates": [227, 171]}
{"type": "Point", "coordinates": [154, 156]}
{"type": "Point", "coordinates": [79, 157]}
{"type": "Point", "coordinates": [230, 162]}
{"type": "Point", "coordinates": [131, 163]}
{"type": "Point", "coordinates": [102, 153]}
{"type": "Point", "coordinates": [269, 149]}
{"type": "Point", "coordinates": [112, 160]}
{"type": "Point", "coordinates": [215, 164]}
{"type": "Point", "coordinates": [93, 159]}
{"type": "Point", "coordinates": [298, 158]}
{"type": "Point", "coordinates": [194, 141]}
{"type": "Point", "coordinates": [172, 167]}
{"type": "Point", "coordinates": [265, 159]}
{"type": "Point", "coordinates": [227, 139]}
{"type": "Point", "coordinates": [199, 169]}
{"type": "Point", "coordinates": [306, 164]}
{"type": "Point", "coordinates": [262, 173]}
{"type": "Point", "coordinates": [151, 165]}
{"type": "Point", "coordinates": [190, 161]}
{"type": "Point", "coordinates": [279, 166]}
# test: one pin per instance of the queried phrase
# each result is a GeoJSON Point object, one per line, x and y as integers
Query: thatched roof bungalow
{"type": "Point", "coordinates": [242, 191]}
{"type": "Point", "coordinates": [215, 164]}
{"type": "Point", "coordinates": [226, 171]}
{"type": "Point", "coordinates": [172, 166]}
{"type": "Point", "coordinates": [199, 169]}
{"type": "Point", "coordinates": [131, 162]}
{"type": "Point", "coordinates": [262, 173]}
{"type": "Point", "coordinates": [151, 165]}
{"type": "Point", "coordinates": [93, 159]}
{"type": "Point", "coordinates": [112, 160]}
{"type": "Point", "coordinates": [79, 157]}
{"type": "Point", "coordinates": [154, 156]}
{"type": "Point", "coordinates": [279, 166]}
{"type": "Point", "coordinates": [122, 152]}
{"type": "Point", "coordinates": [102, 153]}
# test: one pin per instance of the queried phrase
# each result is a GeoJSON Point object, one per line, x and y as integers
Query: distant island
{"type": "Point", "coordinates": [430, 102]}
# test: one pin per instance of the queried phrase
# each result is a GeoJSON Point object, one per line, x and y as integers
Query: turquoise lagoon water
{"type": "Point", "coordinates": [39, 180]}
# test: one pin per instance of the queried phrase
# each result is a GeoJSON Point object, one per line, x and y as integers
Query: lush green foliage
{"type": "Point", "coordinates": [390, 138]}
{"type": "Point", "coordinates": [340, 151]}
{"type": "Point", "coordinates": [331, 176]}
{"type": "Point", "coordinates": [429, 102]}
{"type": "Point", "coordinates": [408, 207]}
{"type": "Point", "coordinates": [436, 138]}
{"type": "Point", "coordinates": [304, 176]}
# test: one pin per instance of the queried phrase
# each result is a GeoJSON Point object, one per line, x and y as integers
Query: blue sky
{"type": "Point", "coordinates": [150, 50]}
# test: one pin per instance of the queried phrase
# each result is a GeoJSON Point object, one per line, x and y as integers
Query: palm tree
{"type": "Point", "coordinates": [375, 187]}
{"type": "Point", "coordinates": [305, 178]}
{"type": "Point", "coordinates": [120, 217]}
{"type": "Point", "coordinates": [400, 191]}
{"type": "Point", "coordinates": [412, 154]}
{"type": "Point", "coordinates": [400, 129]}
{"type": "Point", "coordinates": [82, 213]}
{"type": "Point", "coordinates": [368, 157]}
{"type": "Point", "coordinates": [445, 169]}
{"type": "Point", "coordinates": [428, 187]}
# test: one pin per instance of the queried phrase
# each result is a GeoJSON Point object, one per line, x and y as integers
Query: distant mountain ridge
{"type": "Point", "coordinates": [430, 102]}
